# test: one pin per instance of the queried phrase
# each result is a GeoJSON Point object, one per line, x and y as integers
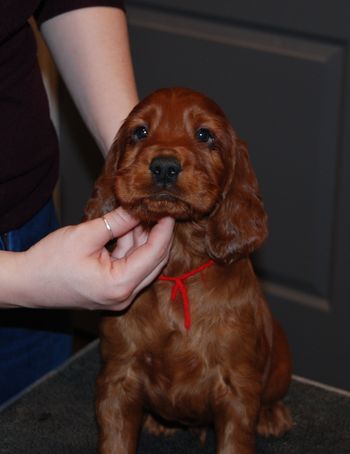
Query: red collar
{"type": "Point", "coordinates": [179, 285]}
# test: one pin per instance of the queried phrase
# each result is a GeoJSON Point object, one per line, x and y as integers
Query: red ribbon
{"type": "Point", "coordinates": [180, 286]}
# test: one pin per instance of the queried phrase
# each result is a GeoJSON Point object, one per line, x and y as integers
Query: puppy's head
{"type": "Point", "coordinates": [169, 156]}
{"type": "Point", "coordinates": [177, 155]}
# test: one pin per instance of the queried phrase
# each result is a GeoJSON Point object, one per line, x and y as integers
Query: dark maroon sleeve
{"type": "Point", "coordinates": [51, 8]}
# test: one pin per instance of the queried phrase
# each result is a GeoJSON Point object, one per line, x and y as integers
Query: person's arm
{"type": "Point", "coordinates": [91, 49]}
{"type": "Point", "coordinates": [71, 268]}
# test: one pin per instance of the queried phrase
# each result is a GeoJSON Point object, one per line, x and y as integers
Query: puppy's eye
{"type": "Point", "coordinates": [204, 135]}
{"type": "Point", "coordinates": [141, 132]}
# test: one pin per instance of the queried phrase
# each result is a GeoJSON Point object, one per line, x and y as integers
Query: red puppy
{"type": "Point", "coordinates": [213, 354]}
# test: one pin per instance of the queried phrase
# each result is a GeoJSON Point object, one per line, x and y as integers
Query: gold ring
{"type": "Point", "coordinates": [108, 227]}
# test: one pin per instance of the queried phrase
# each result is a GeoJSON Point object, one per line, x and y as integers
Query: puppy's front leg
{"type": "Point", "coordinates": [119, 413]}
{"type": "Point", "coordinates": [235, 418]}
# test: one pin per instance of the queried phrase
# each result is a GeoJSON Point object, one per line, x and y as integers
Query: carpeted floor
{"type": "Point", "coordinates": [56, 416]}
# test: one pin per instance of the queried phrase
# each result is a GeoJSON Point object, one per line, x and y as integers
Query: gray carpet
{"type": "Point", "coordinates": [57, 417]}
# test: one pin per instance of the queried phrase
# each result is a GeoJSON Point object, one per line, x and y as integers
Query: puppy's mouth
{"type": "Point", "coordinates": [166, 203]}
{"type": "Point", "coordinates": [163, 197]}
{"type": "Point", "coordinates": [152, 207]}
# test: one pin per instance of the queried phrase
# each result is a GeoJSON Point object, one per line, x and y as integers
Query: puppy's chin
{"type": "Point", "coordinates": [150, 210]}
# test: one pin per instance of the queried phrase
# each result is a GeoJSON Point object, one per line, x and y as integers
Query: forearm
{"type": "Point", "coordinates": [11, 279]}
{"type": "Point", "coordinates": [25, 282]}
{"type": "Point", "coordinates": [91, 49]}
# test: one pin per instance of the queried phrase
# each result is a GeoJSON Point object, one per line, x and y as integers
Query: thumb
{"type": "Point", "coordinates": [112, 225]}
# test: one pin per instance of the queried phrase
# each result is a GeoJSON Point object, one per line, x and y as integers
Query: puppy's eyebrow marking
{"type": "Point", "coordinates": [192, 112]}
{"type": "Point", "coordinates": [152, 112]}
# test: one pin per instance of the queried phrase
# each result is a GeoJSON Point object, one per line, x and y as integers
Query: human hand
{"type": "Point", "coordinates": [71, 268]}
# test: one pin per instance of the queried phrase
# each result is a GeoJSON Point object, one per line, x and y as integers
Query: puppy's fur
{"type": "Point", "coordinates": [176, 154]}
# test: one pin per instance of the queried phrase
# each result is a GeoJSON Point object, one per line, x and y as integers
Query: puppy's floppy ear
{"type": "Point", "coordinates": [103, 197]}
{"type": "Point", "coordinates": [238, 225]}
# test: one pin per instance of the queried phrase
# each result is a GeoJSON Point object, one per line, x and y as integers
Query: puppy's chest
{"type": "Point", "coordinates": [183, 365]}
{"type": "Point", "coordinates": [177, 378]}
{"type": "Point", "coordinates": [179, 365]}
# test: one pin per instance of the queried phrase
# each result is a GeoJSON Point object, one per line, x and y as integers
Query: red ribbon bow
{"type": "Point", "coordinates": [180, 286]}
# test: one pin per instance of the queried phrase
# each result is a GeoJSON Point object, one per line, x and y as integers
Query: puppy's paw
{"type": "Point", "coordinates": [156, 428]}
{"type": "Point", "coordinates": [274, 420]}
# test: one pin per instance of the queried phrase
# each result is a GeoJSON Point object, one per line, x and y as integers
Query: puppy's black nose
{"type": "Point", "coordinates": [165, 170]}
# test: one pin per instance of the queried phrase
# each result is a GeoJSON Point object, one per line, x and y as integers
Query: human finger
{"type": "Point", "coordinates": [120, 222]}
{"type": "Point", "coordinates": [151, 276]}
{"type": "Point", "coordinates": [96, 233]}
{"type": "Point", "coordinates": [124, 244]}
{"type": "Point", "coordinates": [128, 242]}
{"type": "Point", "coordinates": [144, 259]}
{"type": "Point", "coordinates": [140, 236]}
{"type": "Point", "coordinates": [120, 305]}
